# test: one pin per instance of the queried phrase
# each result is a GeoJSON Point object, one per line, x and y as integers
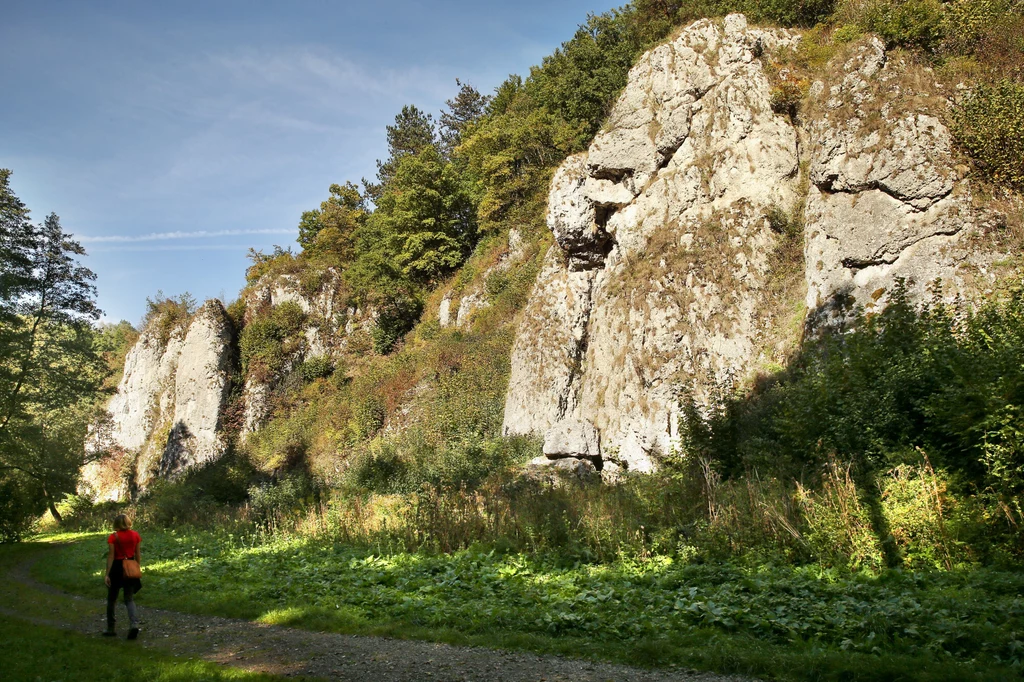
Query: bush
{"type": "Point", "coordinates": [839, 527]}
{"type": "Point", "coordinates": [20, 505]}
{"type": "Point", "coordinates": [909, 23]}
{"type": "Point", "coordinates": [268, 341]}
{"type": "Point", "coordinates": [276, 501]}
{"type": "Point", "coordinates": [168, 504]}
{"type": "Point", "coordinates": [316, 367]}
{"type": "Point", "coordinates": [945, 382]}
{"type": "Point", "coordinates": [988, 124]}
{"type": "Point", "coordinates": [280, 262]}
{"type": "Point", "coordinates": [411, 461]}
{"type": "Point", "coordinates": [395, 318]}
{"type": "Point", "coordinates": [80, 513]}
{"type": "Point", "coordinates": [168, 313]}
{"type": "Point", "coordinates": [283, 443]}
{"type": "Point", "coordinates": [967, 23]}
{"type": "Point", "coordinates": [381, 469]}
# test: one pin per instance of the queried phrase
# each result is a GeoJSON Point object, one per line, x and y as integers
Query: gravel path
{"type": "Point", "coordinates": [292, 652]}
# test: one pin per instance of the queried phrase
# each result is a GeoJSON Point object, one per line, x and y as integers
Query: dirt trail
{"type": "Point", "coordinates": [292, 652]}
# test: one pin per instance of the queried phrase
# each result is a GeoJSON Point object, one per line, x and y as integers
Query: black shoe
{"type": "Point", "coordinates": [133, 633]}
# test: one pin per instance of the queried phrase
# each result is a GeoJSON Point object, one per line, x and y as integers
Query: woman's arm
{"type": "Point", "coordinates": [110, 562]}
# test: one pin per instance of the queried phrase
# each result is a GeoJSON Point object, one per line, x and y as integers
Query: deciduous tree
{"type": "Point", "coordinates": [331, 229]}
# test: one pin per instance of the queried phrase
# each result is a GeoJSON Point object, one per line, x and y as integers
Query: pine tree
{"type": "Point", "coordinates": [464, 109]}
{"type": "Point", "coordinates": [413, 130]}
{"type": "Point", "coordinates": [50, 370]}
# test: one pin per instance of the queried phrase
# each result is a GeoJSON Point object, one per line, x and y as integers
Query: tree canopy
{"type": "Point", "coordinates": [50, 369]}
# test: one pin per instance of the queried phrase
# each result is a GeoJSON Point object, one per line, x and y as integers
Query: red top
{"type": "Point", "coordinates": [127, 541]}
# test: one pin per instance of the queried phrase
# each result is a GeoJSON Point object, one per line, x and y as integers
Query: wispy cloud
{"type": "Point", "coordinates": [148, 248]}
{"type": "Point", "coordinates": [162, 236]}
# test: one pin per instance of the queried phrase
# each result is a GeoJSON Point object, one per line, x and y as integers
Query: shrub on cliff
{"type": "Point", "coordinates": [989, 123]}
{"type": "Point", "coordinates": [269, 339]}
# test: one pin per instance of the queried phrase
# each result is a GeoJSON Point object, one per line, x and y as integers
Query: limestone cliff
{"type": "Point", "coordinates": [664, 276]}
{"type": "Point", "coordinates": [165, 417]}
{"type": "Point", "coordinates": [326, 331]}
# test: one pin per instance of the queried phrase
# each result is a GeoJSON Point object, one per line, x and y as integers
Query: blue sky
{"type": "Point", "coordinates": [171, 137]}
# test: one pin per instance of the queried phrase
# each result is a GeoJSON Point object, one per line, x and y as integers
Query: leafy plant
{"type": "Point", "coordinates": [269, 340]}
{"type": "Point", "coordinates": [987, 123]}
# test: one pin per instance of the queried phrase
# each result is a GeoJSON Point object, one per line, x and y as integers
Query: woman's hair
{"type": "Point", "coordinates": [122, 522]}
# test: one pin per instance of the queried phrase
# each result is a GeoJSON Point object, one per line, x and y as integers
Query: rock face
{"type": "Point", "coordinates": [324, 334]}
{"type": "Point", "coordinates": [323, 307]}
{"type": "Point", "coordinates": [460, 308]}
{"type": "Point", "coordinates": [887, 200]}
{"type": "Point", "coordinates": [165, 417]}
{"type": "Point", "coordinates": [200, 388]}
{"type": "Point", "coordinates": [663, 277]}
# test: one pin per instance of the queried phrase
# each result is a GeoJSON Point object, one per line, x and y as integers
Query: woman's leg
{"type": "Point", "coordinates": [111, 602]}
{"type": "Point", "coordinates": [129, 603]}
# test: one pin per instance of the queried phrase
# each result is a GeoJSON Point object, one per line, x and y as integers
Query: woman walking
{"type": "Point", "coordinates": [124, 544]}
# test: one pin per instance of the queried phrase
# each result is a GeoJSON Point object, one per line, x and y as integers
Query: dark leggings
{"type": "Point", "coordinates": [129, 603]}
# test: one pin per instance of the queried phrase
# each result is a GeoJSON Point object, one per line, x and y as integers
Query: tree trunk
{"type": "Point", "coordinates": [53, 508]}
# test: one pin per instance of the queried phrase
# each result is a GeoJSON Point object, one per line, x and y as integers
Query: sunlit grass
{"type": "Point", "coordinates": [805, 623]}
{"type": "Point", "coordinates": [35, 652]}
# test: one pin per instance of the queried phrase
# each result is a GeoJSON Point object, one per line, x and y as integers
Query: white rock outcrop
{"type": "Point", "coordinates": [663, 248]}
{"type": "Point", "coordinates": [887, 200]}
{"type": "Point", "coordinates": [322, 336]}
{"type": "Point", "coordinates": [165, 417]}
{"type": "Point", "coordinates": [200, 389]}
{"type": "Point", "coordinates": [668, 227]}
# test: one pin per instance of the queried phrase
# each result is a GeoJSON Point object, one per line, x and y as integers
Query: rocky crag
{"type": "Point", "coordinates": [168, 415]}
{"type": "Point", "coordinates": [165, 417]}
{"type": "Point", "coordinates": [668, 277]}
{"type": "Point", "coordinates": [321, 334]}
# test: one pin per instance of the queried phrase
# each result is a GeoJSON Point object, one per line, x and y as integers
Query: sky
{"type": "Point", "coordinates": [172, 137]}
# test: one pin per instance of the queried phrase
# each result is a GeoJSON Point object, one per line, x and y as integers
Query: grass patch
{"type": "Point", "coordinates": [37, 652]}
{"type": "Point", "coordinates": [793, 623]}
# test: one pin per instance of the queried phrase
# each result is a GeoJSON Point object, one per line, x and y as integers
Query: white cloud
{"type": "Point", "coordinates": [161, 236]}
{"type": "Point", "coordinates": [140, 248]}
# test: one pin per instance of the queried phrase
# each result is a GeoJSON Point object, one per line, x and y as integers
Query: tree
{"type": "Point", "coordinates": [512, 152]}
{"type": "Point", "coordinates": [413, 130]}
{"type": "Point", "coordinates": [50, 369]}
{"type": "Point", "coordinates": [465, 109]}
{"type": "Point", "coordinates": [332, 227]}
{"type": "Point", "coordinates": [15, 245]}
{"type": "Point", "coordinates": [426, 216]}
